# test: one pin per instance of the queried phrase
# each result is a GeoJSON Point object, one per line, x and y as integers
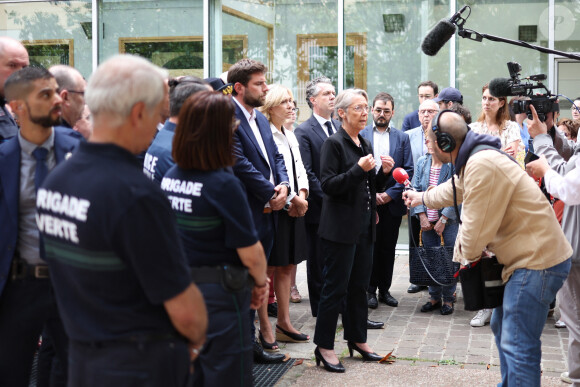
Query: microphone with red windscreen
{"type": "Point", "coordinates": [402, 177]}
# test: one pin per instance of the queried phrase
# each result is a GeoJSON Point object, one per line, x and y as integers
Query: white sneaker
{"type": "Point", "coordinates": [560, 324]}
{"type": "Point", "coordinates": [565, 378]}
{"type": "Point", "coordinates": [481, 318]}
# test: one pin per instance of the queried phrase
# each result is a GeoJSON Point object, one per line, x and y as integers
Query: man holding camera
{"type": "Point", "coordinates": [505, 211]}
{"type": "Point", "coordinates": [562, 156]}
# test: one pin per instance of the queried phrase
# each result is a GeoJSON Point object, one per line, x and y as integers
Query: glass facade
{"type": "Point", "coordinates": [374, 45]}
{"type": "Point", "coordinates": [369, 44]}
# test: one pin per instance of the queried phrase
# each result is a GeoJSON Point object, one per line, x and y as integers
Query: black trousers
{"type": "Point", "coordinates": [314, 267]}
{"type": "Point", "coordinates": [227, 353]}
{"type": "Point", "coordinates": [156, 363]}
{"type": "Point", "coordinates": [346, 275]}
{"type": "Point", "coordinates": [26, 307]}
{"type": "Point", "coordinates": [384, 250]}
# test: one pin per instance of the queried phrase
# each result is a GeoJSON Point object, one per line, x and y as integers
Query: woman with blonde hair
{"type": "Point", "coordinates": [290, 237]}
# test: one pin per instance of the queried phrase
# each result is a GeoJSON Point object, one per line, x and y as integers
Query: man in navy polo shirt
{"type": "Point", "coordinates": [158, 158]}
{"type": "Point", "coordinates": [120, 276]}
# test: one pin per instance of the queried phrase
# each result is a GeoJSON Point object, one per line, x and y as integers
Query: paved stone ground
{"type": "Point", "coordinates": [431, 349]}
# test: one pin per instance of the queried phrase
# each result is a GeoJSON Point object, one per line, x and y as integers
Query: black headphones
{"type": "Point", "coordinates": [445, 141]}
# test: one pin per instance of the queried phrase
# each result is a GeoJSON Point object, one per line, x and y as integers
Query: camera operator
{"type": "Point", "coordinates": [512, 218]}
{"type": "Point", "coordinates": [563, 157]}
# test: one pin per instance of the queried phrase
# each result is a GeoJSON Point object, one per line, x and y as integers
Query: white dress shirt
{"type": "Point", "coordinates": [322, 122]}
{"type": "Point", "coordinates": [381, 144]}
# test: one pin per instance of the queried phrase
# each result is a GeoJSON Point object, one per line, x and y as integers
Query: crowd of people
{"type": "Point", "coordinates": [150, 224]}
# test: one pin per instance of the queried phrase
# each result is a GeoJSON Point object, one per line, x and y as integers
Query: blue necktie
{"type": "Point", "coordinates": [41, 167]}
{"type": "Point", "coordinates": [39, 176]}
{"type": "Point", "coordinates": [329, 128]}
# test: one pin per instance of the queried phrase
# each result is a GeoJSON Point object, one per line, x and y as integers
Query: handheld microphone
{"type": "Point", "coordinates": [441, 33]}
{"type": "Point", "coordinates": [402, 177]}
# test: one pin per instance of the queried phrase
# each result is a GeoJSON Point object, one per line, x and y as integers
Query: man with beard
{"type": "Point", "coordinates": [259, 166]}
{"type": "Point", "coordinates": [13, 57]}
{"type": "Point", "coordinates": [387, 140]}
{"type": "Point", "coordinates": [26, 303]}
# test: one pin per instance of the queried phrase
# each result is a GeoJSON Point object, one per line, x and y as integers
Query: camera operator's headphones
{"type": "Point", "coordinates": [445, 141]}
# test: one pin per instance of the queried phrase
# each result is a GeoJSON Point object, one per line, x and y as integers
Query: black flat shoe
{"type": "Point", "coordinates": [264, 357]}
{"type": "Point", "coordinates": [327, 366]}
{"type": "Point", "coordinates": [372, 300]}
{"type": "Point", "coordinates": [268, 347]}
{"type": "Point", "coordinates": [374, 324]}
{"type": "Point", "coordinates": [289, 337]}
{"type": "Point", "coordinates": [368, 356]}
{"type": "Point", "coordinates": [446, 309]}
{"type": "Point", "coordinates": [429, 307]}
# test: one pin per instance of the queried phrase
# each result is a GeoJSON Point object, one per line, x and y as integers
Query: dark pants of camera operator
{"type": "Point", "coordinates": [347, 274]}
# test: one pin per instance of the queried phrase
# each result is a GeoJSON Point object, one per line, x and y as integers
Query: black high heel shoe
{"type": "Point", "coordinates": [327, 366]}
{"type": "Point", "coordinates": [368, 356]}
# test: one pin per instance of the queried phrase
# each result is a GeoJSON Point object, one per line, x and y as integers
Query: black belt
{"type": "Point", "coordinates": [232, 278]}
{"type": "Point", "coordinates": [20, 269]}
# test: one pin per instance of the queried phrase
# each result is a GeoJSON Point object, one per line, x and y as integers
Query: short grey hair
{"type": "Point", "coordinates": [313, 88]}
{"type": "Point", "coordinates": [344, 99]}
{"type": "Point", "coordinates": [121, 82]}
{"type": "Point", "coordinates": [65, 77]}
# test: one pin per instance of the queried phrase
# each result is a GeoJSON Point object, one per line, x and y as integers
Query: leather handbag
{"type": "Point", "coordinates": [432, 266]}
{"type": "Point", "coordinates": [481, 283]}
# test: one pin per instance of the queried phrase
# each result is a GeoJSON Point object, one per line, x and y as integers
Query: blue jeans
{"type": "Point", "coordinates": [431, 239]}
{"type": "Point", "coordinates": [518, 323]}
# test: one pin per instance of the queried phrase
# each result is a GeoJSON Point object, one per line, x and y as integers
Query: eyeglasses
{"type": "Point", "coordinates": [428, 111]}
{"type": "Point", "coordinates": [77, 92]}
{"type": "Point", "coordinates": [381, 111]}
{"type": "Point", "coordinates": [361, 108]}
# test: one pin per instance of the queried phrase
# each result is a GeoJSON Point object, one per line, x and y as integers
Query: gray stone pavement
{"type": "Point", "coordinates": [431, 349]}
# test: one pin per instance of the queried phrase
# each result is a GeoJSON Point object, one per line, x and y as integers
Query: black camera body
{"type": "Point", "coordinates": [544, 103]}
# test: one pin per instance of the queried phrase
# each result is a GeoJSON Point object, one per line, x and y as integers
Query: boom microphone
{"type": "Point", "coordinates": [402, 177]}
{"type": "Point", "coordinates": [441, 33]}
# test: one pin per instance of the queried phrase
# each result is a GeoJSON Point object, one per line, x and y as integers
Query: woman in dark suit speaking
{"type": "Point", "coordinates": [349, 180]}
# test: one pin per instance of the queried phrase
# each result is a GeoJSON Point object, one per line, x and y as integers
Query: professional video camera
{"type": "Point", "coordinates": [543, 103]}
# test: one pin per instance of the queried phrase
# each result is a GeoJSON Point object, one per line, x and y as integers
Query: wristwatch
{"type": "Point", "coordinates": [443, 220]}
{"type": "Point", "coordinates": [287, 185]}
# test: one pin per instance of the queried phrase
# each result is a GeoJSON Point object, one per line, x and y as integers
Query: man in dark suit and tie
{"type": "Point", "coordinates": [260, 168]}
{"type": "Point", "coordinates": [387, 141]}
{"type": "Point", "coordinates": [13, 57]}
{"type": "Point", "coordinates": [26, 302]}
{"type": "Point", "coordinates": [426, 90]}
{"type": "Point", "coordinates": [311, 134]}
